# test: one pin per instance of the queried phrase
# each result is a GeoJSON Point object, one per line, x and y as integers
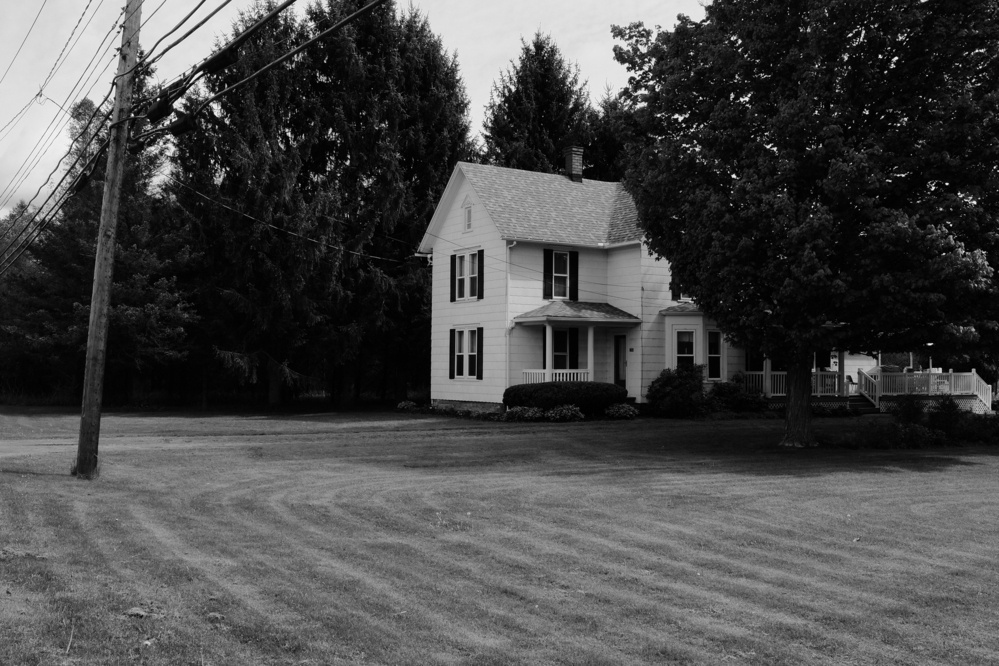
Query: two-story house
{"type": "Point", "coordinates": [544, 277]}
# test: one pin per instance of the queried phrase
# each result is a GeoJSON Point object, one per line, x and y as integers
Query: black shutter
{"type": "Point", "coordinates": [482, 276]}
{"type": "Point", "coordinates": [454, 284]}
{"type": "Point", "coordinates": [574, 276]}
{"type": "Point", "coordinates": [478, 352]}
{"type": "Point", "coordinates": [549, 267]}
{"type": "Point", "coordinates": [450, 358]}
{"type": "Point", "coordinates": [573, 348]}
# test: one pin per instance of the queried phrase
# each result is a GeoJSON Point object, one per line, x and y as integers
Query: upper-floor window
{"type": "Point", "coordinates": [676, 291]}
{"type": "Point", "coordinates": [561, 275]}
{"type": "Point", "coordinates": [468, 217]}
{"type": "Point", "coordinates": [466, 276]}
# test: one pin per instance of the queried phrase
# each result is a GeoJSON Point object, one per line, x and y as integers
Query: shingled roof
{"type": "Point", "coordinates": [577, 310]}
{"type": "Point", "coordinates": [550, 208]}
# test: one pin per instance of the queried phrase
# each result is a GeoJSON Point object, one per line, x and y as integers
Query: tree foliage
{"type": "Point", "coordinates": [46, 296]}
{"type": "Point", "coordinates": [309, 187]}
{"type": "Point", "coordinates": [824, 174]}
{"type": "Point", "coordinates": [536, 109]}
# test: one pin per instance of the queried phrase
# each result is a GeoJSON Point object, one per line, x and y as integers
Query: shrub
{"type": "Point", "coordinates": [620, 411]}
{"type": "Point", "coordinates": [524, 414]}
{"type": "Point", "coordinates": [407, 406]}
{"type": "Point", "coordinates": [898, 436]}
{"type": "Point", "coordinates": [564, 414]}
{"type": "Point", "coordinates": [908, 409]}
{"type": "Point", "coordinates": [945, 415]}
{"type": "Point", "coordinates": [977, 428]}
{"type": "Point", "coordinates": [591, 398]}
{"type": "Point", "coordinates": [732, 397]}
{"type": "Point", "coordinates": [679, 392]}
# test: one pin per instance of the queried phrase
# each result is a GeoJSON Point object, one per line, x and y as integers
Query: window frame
{"type": "Point", "coordinates": [676, 349]}
{"type": "Point", "coordinates": [556, 275]}
{"type": "Point", "coordinates": [466, 353]}
{"type": "Point", "coordinates": [467, 212]}
{"type": "Point", "coordinates": [719, 355]}
{"type": "Point", "coordinates": [466, 275]}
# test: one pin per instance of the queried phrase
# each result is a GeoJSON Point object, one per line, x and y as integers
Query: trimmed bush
{"type": "Point", "coordinates": [945, 416]}
{"type": "Point", "coordinates": [620, 411]}
{"type": "Point", "coordinates": [524, 414]}
{"type": "Point", "coordinates": [591, 398]}
{"type": "Point", "coordinates": [407, 406]}
{"type": "Point", "coordinates": [564, 414]}
{"type": "Point", "coordinates": [732, 397]}
{"type": "Point", "coordinates": [909, 409]}
{"type": "Point", "coordinates": [679, 393]}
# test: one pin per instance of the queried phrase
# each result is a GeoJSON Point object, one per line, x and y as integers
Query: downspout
{"type": "Point", "coordinates": [509, 318]}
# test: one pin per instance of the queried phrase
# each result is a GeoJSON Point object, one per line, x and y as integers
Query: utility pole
{"type": "Point", "coordinates": [87, 466]}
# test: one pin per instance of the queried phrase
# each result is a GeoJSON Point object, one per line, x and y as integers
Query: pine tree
{"type": "Point", "coordinates": [536, 110]}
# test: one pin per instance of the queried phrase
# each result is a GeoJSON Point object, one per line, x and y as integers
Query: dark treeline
{"type": "Point", "coordinates": [269, 254]}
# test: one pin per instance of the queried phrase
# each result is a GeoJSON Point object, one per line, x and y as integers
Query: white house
{"type": "Point", "coordinates": [545, 277]}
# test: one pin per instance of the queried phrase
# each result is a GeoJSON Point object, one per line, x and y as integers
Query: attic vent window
{"type": "Point", "coordinates": [468, 218]}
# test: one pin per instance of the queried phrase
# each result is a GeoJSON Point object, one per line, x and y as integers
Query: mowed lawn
{"type": "Point", "coordinates": [387, 539]}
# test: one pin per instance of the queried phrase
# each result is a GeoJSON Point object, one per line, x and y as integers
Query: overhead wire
{"type": "Point", "coordinates": [62, 51]}
{"type": "Point", "coordinates": [275, 227]}
{"type": "Point", "coordinates": [23, 41]}
{"type": "Point", "coordinates": [50, 134]}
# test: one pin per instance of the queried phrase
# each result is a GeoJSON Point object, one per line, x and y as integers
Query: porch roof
{"type": "Point", "coordinates": [681, 309]}
{"type": "Point", "coordinates": [576, 311]}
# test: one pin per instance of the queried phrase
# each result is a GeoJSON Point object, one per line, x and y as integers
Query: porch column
{"type": "Point", "coordinates": [589, 353]}
{"type": "Point", "coordinates": [767, 389]}
{"type": "Point", "coordinates": [549, 352]}
{"type": "Point", "coordinates": [844, 387]}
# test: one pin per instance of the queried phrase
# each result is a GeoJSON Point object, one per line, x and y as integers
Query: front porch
{"type": "Point", "coordinates": [568, 349]}
{"type": "Point", "coordinates": [879, 387]}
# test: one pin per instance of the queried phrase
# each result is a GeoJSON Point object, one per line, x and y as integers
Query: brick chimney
{"type": "Point", "coordinates": [574, 163]}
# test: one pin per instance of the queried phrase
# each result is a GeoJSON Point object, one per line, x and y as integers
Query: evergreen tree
{"type": "Point", "coordinates": [536, 110]}
{"type": "Point", "coordinates": [309, 189]}
{"type": "Point", "coordinates": [46, 298]}
{"type": "Point", "coordinates": [824, 174]}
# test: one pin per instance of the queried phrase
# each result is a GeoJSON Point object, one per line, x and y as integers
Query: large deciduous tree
{"type": "Point", "coordinates": [536, 109]}
{"type": "Point", "coordinates": [824, 173]}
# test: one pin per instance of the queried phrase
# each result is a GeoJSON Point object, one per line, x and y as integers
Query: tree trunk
{"type": "Point", "coordinates": [798, 417]}
{"type": "Point", "coordinates": [274, 383]}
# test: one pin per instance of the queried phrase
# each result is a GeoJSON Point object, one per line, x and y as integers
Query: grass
{"type": "Point", "coordinates": [374, 539]}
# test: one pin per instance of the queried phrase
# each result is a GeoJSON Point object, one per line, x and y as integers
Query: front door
{"type": "Point", "coordinates": [620, 359]}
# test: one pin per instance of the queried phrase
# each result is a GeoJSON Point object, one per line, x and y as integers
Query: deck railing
{"type": "Point", "coordinates": [874, 385]}
{"type": "Point", "coordinates": [539, 376]}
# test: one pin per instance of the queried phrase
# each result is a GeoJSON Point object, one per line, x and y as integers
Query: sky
{"type": "Point", "coordinates": [69, 54]}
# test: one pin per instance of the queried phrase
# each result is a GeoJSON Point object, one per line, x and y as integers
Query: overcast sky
{"type": "Point", "coordinates": [485, 34]}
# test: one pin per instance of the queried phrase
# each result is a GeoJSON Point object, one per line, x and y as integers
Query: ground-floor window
{"type": "Point", "coordinates": [684, 349]}
{"type": "Point", "coordinates": [466, 353]}
{"type": "Point", "coordinates": [714, 355]}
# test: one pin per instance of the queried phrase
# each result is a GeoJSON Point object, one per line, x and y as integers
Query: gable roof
{"type": "Point", "coordinates": [544, 207]}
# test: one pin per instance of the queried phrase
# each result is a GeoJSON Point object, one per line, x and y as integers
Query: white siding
{"type": "Point", "coordinates": [655, 296]}
{"type": "Point", "coordinates": [488, 313]}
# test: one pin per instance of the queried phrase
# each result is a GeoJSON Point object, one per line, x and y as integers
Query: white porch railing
{"type": "Point", "coordinates": [538, 376]}
{"type": "Point", "coordinates": [875, 385]}
{"type": "Point", "coordinates": [774, 383]}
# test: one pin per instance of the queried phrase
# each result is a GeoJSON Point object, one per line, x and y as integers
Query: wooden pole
{"type": "Point", "coordinates": [87, 466]}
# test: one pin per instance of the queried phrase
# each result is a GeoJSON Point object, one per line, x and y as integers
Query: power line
{"type": "Point", "coordinates": [276, 228]}
{"type": "Point", "coordinates": [49, 135]}
{"type": "Point", "coordinates": [68, 39]}
{"type": "Point", "coordinates": [44, 2]}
